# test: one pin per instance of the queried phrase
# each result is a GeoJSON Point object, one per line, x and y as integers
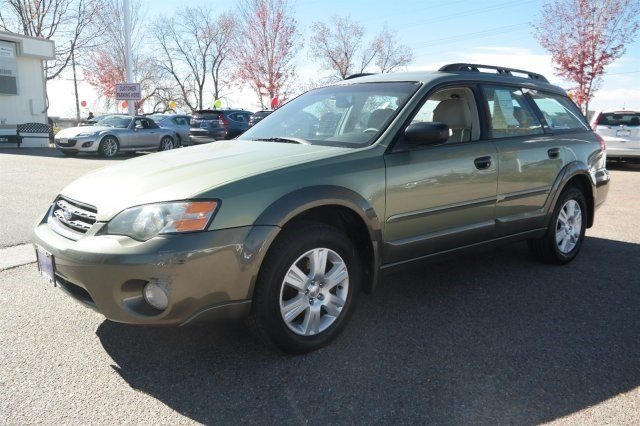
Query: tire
{"type": "Point", "coordinates": [109, 147]}
{"type": "Point", "coordinates": [166, 144]}
{"type": "Point", "coordinates": [565, 234]}
{"type": "Point", "coordinates": [69, 153]}
{"type": "Point", "coordinates": [308, 316]}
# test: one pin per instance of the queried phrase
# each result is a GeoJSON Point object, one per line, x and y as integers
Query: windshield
{"type": "Point", "coordinates": [344, 115]}
{"type": "Point", "coordinates": [119, 122]}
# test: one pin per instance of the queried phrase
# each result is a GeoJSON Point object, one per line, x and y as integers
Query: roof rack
{"type": "Point", "coordinates": [499, 70]}
{"type": "Point", "coordinates": [362, 74]}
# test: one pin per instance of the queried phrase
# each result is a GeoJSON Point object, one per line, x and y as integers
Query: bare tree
{"type": "Point", "coordinates": [390, 54]}
{"type": "Point", "coordinates": [584, 37]}
{"type": "Point", "coordinates": [69, 22]}
{"type": "Point", "coordinates": [195, 46]}
{"type": "Point", "coordinates": [266, 46]}
{"type": "Point", "coordinates": [220, 52]}
{"type": "Point", "coordinates": [186, 43]}
{"type": "Point", "coordinates": [340, 46]}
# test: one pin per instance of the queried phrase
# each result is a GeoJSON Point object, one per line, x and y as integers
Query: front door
{"type": "Point", "coordinates": [441, 197]}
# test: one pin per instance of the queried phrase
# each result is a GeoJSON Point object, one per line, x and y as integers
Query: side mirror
{"type": "Point", "coordinates": [426, 133]}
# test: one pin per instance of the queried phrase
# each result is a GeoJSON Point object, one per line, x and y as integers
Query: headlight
{"type": "Point", "coordinates": [145, 222]}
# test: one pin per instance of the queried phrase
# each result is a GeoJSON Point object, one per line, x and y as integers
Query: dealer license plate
{"type": "Point", "coordinates": [46, 265]}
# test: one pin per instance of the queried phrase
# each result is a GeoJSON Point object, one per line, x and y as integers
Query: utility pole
{"type": "Point", "coordinates": [127, 50]}
{"type": "Point", "coordinates": [75, 83]}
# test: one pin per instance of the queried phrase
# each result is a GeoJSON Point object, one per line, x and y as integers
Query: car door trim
{"type": "Point", "coordinates": [524, 193]}
{"type": "Point", "coordinates": [452, 207]}
{"type": "Point", "coordinates": [443, 233]}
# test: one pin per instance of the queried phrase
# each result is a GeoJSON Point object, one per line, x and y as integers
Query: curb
{"type": "Point", "coordinates": [15, 256]}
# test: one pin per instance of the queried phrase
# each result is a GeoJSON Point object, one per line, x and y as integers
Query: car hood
{"type": "Point", "coordinates": [186, 173]}
{"type": "Point", "coordinates": [75, 131]}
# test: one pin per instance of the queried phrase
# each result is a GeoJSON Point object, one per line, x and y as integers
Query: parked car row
{"type": "Point", "coordinates": [109, 135]}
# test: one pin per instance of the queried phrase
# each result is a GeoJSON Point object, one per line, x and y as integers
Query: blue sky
{"type": "Point", "coordinates": [489, 32]}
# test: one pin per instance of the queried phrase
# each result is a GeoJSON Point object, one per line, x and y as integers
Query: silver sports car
{"type": "Point", "coordinates": [116, 133]}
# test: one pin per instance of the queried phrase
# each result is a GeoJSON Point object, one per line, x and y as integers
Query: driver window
{"type": "Point", "coordinates": [455, 107]}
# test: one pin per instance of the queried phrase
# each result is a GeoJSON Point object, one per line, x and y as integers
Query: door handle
{"type": "Point", "coordinates": [482, 163]}
{"type": "Point", "coordinates": [554, 152]}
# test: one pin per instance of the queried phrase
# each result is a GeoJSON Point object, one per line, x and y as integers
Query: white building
{"type": "Point", "coordinates": [22, 86]}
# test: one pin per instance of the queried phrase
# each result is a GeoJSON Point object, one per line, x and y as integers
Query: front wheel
{"type": "Point", "coordinates": [109, 147]}
{"type": "Point", "coordinates": [565, 235]}
{"type": "Point", "coordinates": [307, 288]}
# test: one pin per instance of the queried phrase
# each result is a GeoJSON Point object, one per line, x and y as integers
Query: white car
{"type": "Point", "coordinates": [620, 131]}
{"type": "Point", "coordinates": [116, 133]}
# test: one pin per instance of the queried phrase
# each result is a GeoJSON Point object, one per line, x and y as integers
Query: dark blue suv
{"type": "Point", "coordinates": [208, 125]}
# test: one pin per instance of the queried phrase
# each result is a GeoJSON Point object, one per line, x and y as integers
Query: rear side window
{"type": "Point", "coordinates": [559, 112]}
{"type": "Point", "coordinates": [510, 112]}
{"type": "Point", "coordinates": [629, 119]}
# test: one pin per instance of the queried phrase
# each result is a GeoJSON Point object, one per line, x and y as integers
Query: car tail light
{"type": "Point", "coordinates": [223, 119]}
{"type": "Point", "coordinates": [596, 120]}
{"type": "Point", "coordinates": [603, 144]}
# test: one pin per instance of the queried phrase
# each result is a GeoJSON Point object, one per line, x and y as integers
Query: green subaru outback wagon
{"type": "Point", "coordinates": [288, 224]}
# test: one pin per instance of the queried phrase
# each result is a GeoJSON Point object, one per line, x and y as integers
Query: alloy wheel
{"type": "Point", "coordinates": [314, 291]}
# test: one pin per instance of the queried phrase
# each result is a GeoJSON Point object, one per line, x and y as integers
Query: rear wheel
{"type": "Point", "coordinates": [565, 235]}
{"type": "Point", "coordinates": [307, 288]}
{"type": "Point", "coordinates": [109, 146]}
{"type": "Point", "coordinates": [166, 144]}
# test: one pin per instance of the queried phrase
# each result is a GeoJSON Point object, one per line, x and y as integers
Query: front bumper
{"type": "Point", "coordinates": [81, 144]}
{"type": "Point", "coordinates": [602, 180]}
{"type": "Point", "coordinates": [207, 275]}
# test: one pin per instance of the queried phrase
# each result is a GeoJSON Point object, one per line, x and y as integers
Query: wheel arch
{"type": "Point", "coordinates": [107, 134]}
{"type": "Point", "coordinates": [576, 174]}
{"type": "Point", "coordinates": [339, 207]}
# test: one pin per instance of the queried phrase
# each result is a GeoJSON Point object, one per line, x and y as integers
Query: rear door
{"type": "Point", "coordinates": [531, 131]}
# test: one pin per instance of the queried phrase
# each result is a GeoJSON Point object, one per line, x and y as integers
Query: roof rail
{"type": "Point", "coordinates": [499, 70]}
{"type": "Point", "coordinates": [362, 74]}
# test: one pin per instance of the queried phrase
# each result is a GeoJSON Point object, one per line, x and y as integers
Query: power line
{"type": "Point", "coordinates": [476, 34]}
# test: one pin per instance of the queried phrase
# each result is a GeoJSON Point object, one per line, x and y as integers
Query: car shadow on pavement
{"type": "Point", "coordinates": [624, 166]}
{"type": "Point", "coordinates": [55, 153]}
{"type": "Point", "coordinates": [491, 338]}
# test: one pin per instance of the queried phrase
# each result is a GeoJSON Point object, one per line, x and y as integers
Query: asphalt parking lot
{"type": "Point", "coordinates": [484, 339]}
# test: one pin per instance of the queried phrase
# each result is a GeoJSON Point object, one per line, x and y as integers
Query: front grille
{"type": "Point", "coordinates": [66, 142]}
{"type": "Point", "coordinates": [72, 219]}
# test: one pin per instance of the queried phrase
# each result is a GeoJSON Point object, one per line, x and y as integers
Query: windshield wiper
{"type": "Point", "coordinates": [284, 140]}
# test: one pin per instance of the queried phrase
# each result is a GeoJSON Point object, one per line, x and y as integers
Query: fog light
{"type": "Point", "coordinates": [156, 296]}
{"type": "Point", "coordinates": [87, 144]}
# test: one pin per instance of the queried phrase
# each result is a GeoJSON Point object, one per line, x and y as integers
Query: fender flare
{"type": "Point", "coordinates": [569, 171]}
{"type": "Point", "coordinates": [289, 206]}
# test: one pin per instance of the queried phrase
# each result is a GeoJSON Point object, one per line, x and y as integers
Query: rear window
{"type": "Point", "coordinates": [560, 113]}
{"type": "Point", "coordinates": [206, 116]}
{"type": "Point", "coordinates": [629, 119]}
